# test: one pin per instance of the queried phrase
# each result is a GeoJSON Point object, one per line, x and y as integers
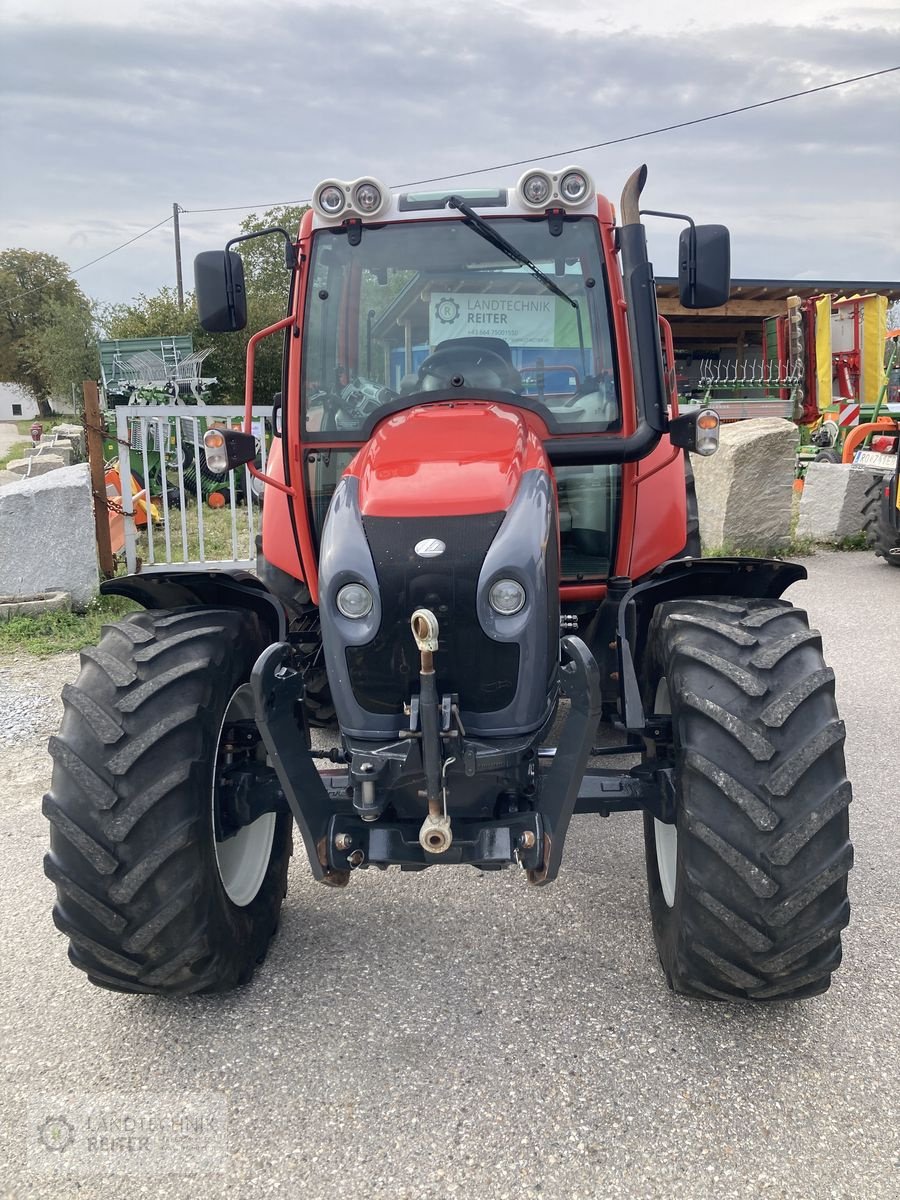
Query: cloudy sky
{"type": "Point", "coordinates": [110, 110]}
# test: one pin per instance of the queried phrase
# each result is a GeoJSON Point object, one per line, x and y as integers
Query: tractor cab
{"type": "Point", "coordinates": [431, 308]}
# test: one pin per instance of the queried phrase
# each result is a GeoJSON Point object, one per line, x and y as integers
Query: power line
{"type": "Point", "coordinates": [631, 137]}
{"type": "Point", "coordinates": [99, 258]}
{"type": "Point", "coordinates": [517, 162]}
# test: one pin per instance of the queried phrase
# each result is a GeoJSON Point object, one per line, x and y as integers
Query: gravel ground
{"type": "Point", "coordinates": [456, 1035]}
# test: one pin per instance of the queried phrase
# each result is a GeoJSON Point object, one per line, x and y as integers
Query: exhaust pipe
{"type": "Point", "coordinates": [435, 836]}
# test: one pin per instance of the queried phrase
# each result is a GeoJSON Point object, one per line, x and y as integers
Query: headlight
{"type": "Point", "coordinates": [367, 197]}
{"type": "Point", "coordinates": [574, 187]}
{"type": "Point", "coordinates": [329, 198]}
{"type": "Point", "coordinates": [354, 600]}
{"type": "Point", "coordinates": [535, 188]}
{"type": "Point", "coordinates": [507, 597]}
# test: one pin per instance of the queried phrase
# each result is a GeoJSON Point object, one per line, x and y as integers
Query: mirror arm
{"type": "Point", "coordinates": [692, 261]}
{"type": "Point", "coordinates": [290, 249]}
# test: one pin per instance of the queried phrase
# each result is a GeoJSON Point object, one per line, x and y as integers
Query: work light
{"type": "Point", "coordinates": [574, 187]}
{"type": "Point", "coordinates": [535, 189]}
{"type": "Point", "coordinates": [329, 198]}
{"type": "Point", "coordinates": [366, 197]}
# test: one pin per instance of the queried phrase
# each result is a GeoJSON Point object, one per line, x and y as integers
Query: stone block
{"type": "Point", "coordinates": [832, 501]}
{"type": "Point", "coordinates": [47, 539]}
{"type": "Point", "coordinates": [41, 464]}
{"type": "Point", "coordinates": [75, 435]}
{"type": "Point", "coordinates": [745, 490]}
{"type": "Point", "coordinates": [9, 477]}
{"type": "Point", "coordinates": [61, 447]}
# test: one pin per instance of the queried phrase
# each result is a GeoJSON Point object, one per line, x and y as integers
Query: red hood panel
{"type": "Point", "coordinates": [451, 459]}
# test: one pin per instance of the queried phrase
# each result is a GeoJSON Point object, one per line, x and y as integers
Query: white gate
{"type": "Point", "coordinates": [177, 513]}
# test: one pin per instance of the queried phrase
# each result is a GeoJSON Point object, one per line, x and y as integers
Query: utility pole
{"type": "Point", "coordinates": [178, 279]}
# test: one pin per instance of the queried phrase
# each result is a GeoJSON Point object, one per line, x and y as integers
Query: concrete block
{"type": "Point", "coordinates": [61, 447]}
{"type": "Point", "coordinates": [75, 435]}
{"type": "Point", "coordinates": [745, 489]}
{"type": "Point", "coordinates": [41, 464]}
{"type": "Point", "coordinates": [33, 606]}
{"type": "Point", "coordinates": [832, 501]}
{"type": "Point", "coordinates": [47, 539]}
{"type": "Point", "coordinates": [9, 477]}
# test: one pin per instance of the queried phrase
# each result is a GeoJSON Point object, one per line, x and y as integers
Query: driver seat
{"type": "Point", "coordinates": [492, 345]}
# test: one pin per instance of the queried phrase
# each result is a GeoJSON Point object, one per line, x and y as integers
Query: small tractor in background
{"type": "Point", "coordinates": [476, 535]}
{"type": "Point", "coordinates": [880, 453]}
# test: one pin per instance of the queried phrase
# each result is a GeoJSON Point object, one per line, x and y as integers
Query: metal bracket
{"type": "Point", "coordinates": [580, 683]}
{"type": "Point", "coordinates": [278, 694]}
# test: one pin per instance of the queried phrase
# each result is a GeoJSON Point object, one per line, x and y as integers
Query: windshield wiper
{"type": "Point", "coordinates": [499, 242]}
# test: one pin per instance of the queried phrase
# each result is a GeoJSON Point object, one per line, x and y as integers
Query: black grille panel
{"type": "Point", "coordinates": [386, 671]}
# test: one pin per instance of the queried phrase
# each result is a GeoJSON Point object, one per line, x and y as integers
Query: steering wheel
{"type": "Point", "coordinates": [473, 367]}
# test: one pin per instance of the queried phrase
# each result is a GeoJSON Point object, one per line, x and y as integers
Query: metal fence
{"type": "Point", "coordinates": [177, 514]}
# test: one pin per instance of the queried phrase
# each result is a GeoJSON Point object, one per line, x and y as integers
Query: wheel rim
{"type": "Point", "coordinates": [665, 836]}
{"type": "Point", "coordinates": [242, 860]}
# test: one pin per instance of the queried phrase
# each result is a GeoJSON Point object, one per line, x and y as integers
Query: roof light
{"type": "Point", "coordinates": [569, 188]}
{"type": "Point", "coordinates": [330, 198]}
{"type": "Point", "coordinates": [367, 197]}
{"type": "Point", "coordinates": [335, 200]}
{"type": "Point", "coordinates": [535, 189]}
{"type": "Point", "coordinates": [574, 186]}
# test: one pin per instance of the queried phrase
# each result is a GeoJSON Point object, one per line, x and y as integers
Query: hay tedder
{"type": "Point", "coordinates": [477, 536]}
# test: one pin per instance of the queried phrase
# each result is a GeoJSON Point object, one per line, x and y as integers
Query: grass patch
{"type": "Point", "coordinates": [856, 541]}
{"type": "Point", "coordinates": [797, 547]}
{"type": "Point", "coordinates": [217, 540]}
{"type": "Point", "coordinates": [16, 450]}
{"type": "Point", "coordinates": [59, 632]}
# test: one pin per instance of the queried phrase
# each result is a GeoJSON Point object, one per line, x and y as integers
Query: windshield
{"type": "Point", "coordinates": [420, 307]}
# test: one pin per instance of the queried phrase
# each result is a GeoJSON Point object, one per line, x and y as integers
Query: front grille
{"type": "Point", "coordinates": [385, 672]}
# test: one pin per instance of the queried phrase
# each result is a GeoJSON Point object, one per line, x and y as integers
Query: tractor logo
{"type": "Point", "coordinates": [56, 1133]}
{"type": "Point", "coordinates": [430, 548]}
{"type": "Point", "coordinates": [447, 311]}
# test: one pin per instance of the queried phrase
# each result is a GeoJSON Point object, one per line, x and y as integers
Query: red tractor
{"type": "Point", "coordinates": [476, 531]}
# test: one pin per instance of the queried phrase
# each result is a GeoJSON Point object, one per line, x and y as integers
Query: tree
{"type": "Point", "coordinates": [65, 350]}
{"type": "Point", "coordinates": [267, 281]}
{"type": "Point", "coordinates": [35, 290]}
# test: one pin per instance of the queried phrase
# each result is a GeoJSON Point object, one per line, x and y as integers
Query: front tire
{"type": "Point", "coordinates": [881, 535]}
{"type": "Point", "coordinates": [748, 890]}
{"type": "Point", "coordinates": [152, 895]}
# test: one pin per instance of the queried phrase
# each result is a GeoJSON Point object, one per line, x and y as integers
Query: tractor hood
{"type": "Point", "coordinates": [446, 459]}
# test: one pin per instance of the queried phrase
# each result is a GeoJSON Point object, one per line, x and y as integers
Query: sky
{"type": "Point", "coordinates": [111, 110]}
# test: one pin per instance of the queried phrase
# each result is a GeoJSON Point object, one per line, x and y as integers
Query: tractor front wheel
{"type": "Point", "coordinates": [881, 534]}
{"type": "Point", "coordinates": [162, 885]}
{"type": "Point", "coordinates": [748, 887]}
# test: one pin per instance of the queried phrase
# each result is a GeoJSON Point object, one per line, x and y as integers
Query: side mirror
{"type": "Point", "coordinates": [219, 288]}
{"type": "Point", "coordinates": [704, 266]}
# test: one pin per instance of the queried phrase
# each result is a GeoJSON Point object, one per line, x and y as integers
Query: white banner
{"type": "Point", "coordinates": [519, 320]}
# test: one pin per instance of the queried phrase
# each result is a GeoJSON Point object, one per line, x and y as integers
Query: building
{"type": "Point", "coordinates": [16, 403]}
{"type": "Point", "coordinates": [734, 332]}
